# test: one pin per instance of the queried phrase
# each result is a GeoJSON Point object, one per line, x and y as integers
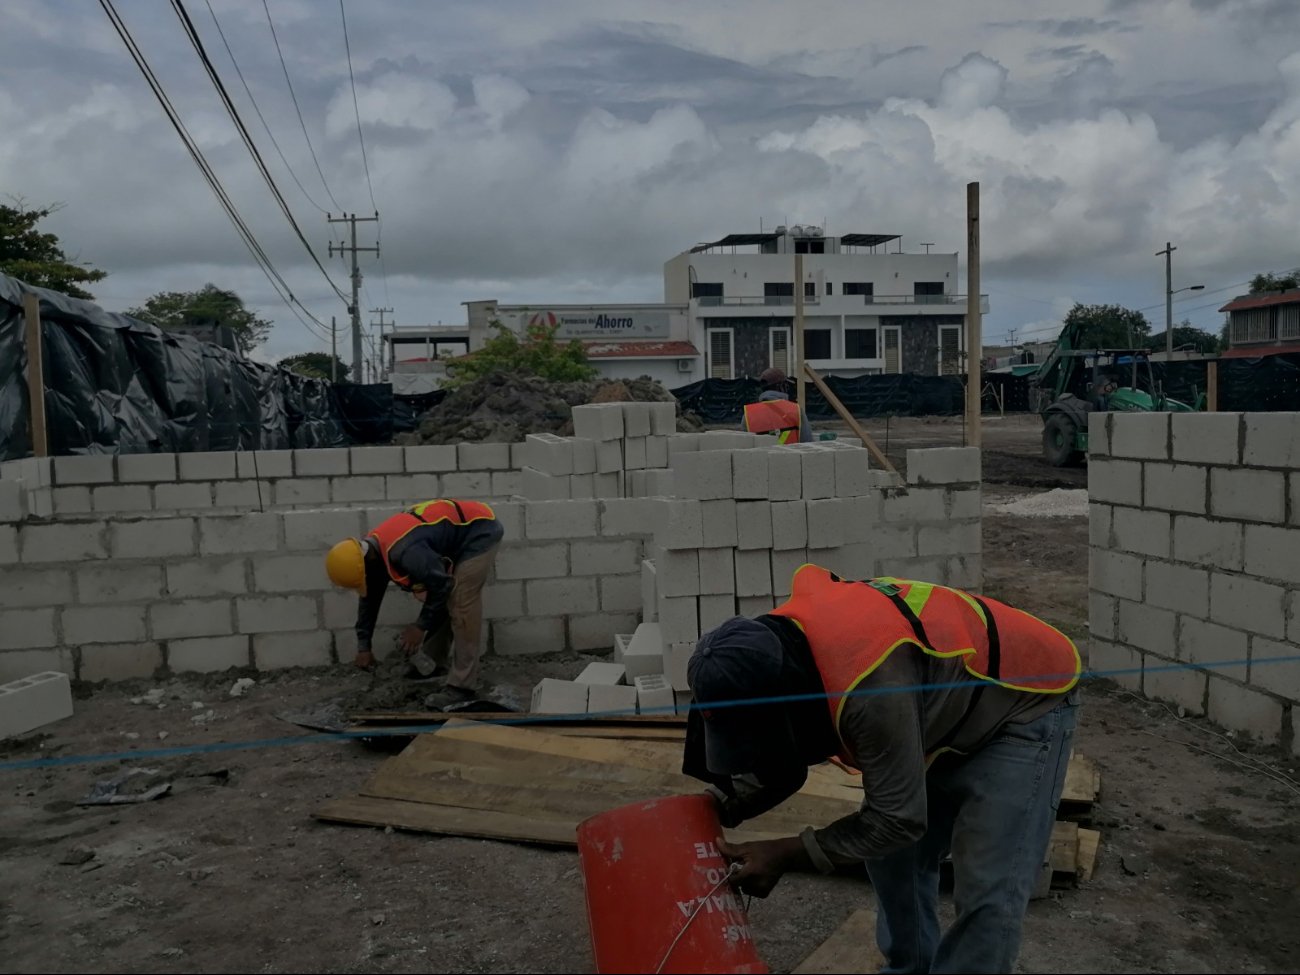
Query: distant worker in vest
{"type": "Point", "coordinates": [958, 711]}
{"type": "Point", "coordinates": [440, 551]}
{"type": "Point", "coordinates": [775, 413]}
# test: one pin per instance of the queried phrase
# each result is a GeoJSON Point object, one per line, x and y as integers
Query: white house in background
{"type": "Point", "coordinates": [728, 311]}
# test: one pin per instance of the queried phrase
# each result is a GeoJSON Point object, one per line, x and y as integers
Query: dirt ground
{"type": "Point", "coordinates": [1197, 870]}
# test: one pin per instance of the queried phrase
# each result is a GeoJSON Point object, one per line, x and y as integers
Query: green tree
{"type": "Point", "coordinates": [37, 258]}
{"type": "Point", "coordinates": [535, 353]}
{"type": "Point", "coordinates": [209, 305]}
{"type": "Point", "coordinates": [1107, 327]}
{"type": "Point", "coordinates": [315, 365]}
{"type": "Point", "coordinates": [1186, 335]}
{"type": "Point", "coordinates": [1261, 283]}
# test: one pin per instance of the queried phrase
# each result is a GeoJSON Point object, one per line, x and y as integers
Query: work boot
{"type": "Point", "coordinates": [448, 697]}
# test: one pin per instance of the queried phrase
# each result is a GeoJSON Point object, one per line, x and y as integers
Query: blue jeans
{"type": "Point", "coordinates": [993, 810]}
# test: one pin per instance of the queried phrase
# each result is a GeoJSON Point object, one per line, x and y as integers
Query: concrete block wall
{"type": "Point", "coordinates": [1194, 569]}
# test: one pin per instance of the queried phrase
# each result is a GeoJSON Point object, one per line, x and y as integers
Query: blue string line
{"type": "Point", "coordinates": [516, 719]}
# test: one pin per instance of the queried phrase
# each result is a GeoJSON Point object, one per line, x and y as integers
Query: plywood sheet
{"type": "Point", "coordinates": [852, 948]}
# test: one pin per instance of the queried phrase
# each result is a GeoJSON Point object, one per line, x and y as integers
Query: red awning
{"type": "Point", "coordinates": [641, 350]}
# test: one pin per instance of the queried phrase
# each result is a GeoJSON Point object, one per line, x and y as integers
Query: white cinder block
{"type": "Point", "coordinates": [1243, 708]}
{"type": "Point", "coordinates": [207, 577]}
{"type": "Point", "coordinates": [73, 500]}
{"type": "Point", "coordinates": [263, 463]}
{"type": "Point", "coordinates": [946, 465]}
{"type": "Point", "coordinates": [22, 629]}
{"type": "Point", "coordinates": [784, 566]}
{"type": "Point", "coordinates": [607, 699]}
{"type": "Point", "coordinates": [753, 573]}
{"type": "Point", "coordinates": [510, 516]}
{"type": "Point", "coordinates": [649, 591]}
{"type": "Point", "coordinates": [685, 701]}
{"type": "Point", "coordinates": [113, 582]}
{"type": "Point", "coordinates": [595, 631]}
{"type": "Point", "coordinates": [1273, 553]}
{"type": "Point", "coordinates": [549, 453]}
{"type": "Point", "coordinates": [654, 695]}
{"type": "Point", "coordinates": [663, 419]}
{"type": "Point", "coordinates": [244, 495]}
{"type": "Point", "coordinates": [682, 443]}
{"type": "Point", "coordinates": [644, 653]}
{"type": "Point", "coordinates": [659, 483]}
{"type": "Point", "coordinates": [467, 484]}
{"type": "Point", "coordinates": [705, 475]}
{"type": "Point", "coordinates": [190, 617]}
{"type": "Point", "coordinates": [13, 501]}
{"type": "Point", "coordinates": [852, 472]}
{"type": "Point", "coordinates": [789, 525]}
{"type": "Point", "coordinates": [607, 485]}
{"type": "Point", "coordinates": [620, 593]}
{"type": "Point", "coordinates": [828, 520]}
{"type": "Point", "coordinates": [561, 519]}
{"type": "Point", "coordinates": [314, 530]}
{"type": "Point", "coordinates": [207, 654]}
{"type": "Point", "coordinates": [753, 525]}
{"type": "Point", "coordinates": [1206, 438]}
{"type": "Point", "coordinates": [103, 624]}
{"type": "Point", "coordinates": [564, 596]}
{"type": "Point", "coordinates": [83, 469]}
{"type": "Point", "coordinates": [676, 656]}
{"type": "Point", "coordinates": [503, 600]}
{"type": "Point", "coordinates": [63, 543]}
{"type": "Point", "coordinates": [716, 610]}
{"type": "Point", "coordinates": [598, 421]}
{"type": "Point", "coordinates": [537, 485]}
{"type": "Point", "coordinates": [753, 606]}
{"type": "Point", "coordinates": [583, 455]}
{"type": "Point", "coordinates": [290, 573]}
{"type": "Point", "coordinates": [677, 572]}
{"type": "Point", "coordinates": [152, 538]}
{"type": "Point", "coordinates": [193, 495]}
{"type": "Point", "coordinates": [310, 648]}
{"type": "Point", "coordinates": [430, 458]}
{"type": "Point", "coordinates": [119, 661]}
{"type": "Point", "coordinates": [533, 562]}
{"type": "Point", "coordinates": [749, 474]}
{"type": "Point", "coordinates": [1251, 495]}
{"type": "Point", "coordinates": [609, 456]}
{"type": "Point", "coordinates": [817, 470]}
{"type": "Point", "coordinates": [621, 642]}
{"type": "Point", "coordinates": [656, 452]}
{"type": "Point", "coordinates": [602, 672]}
{"type": "Point", "coordinates": [718, 519]}
{"type": "Point", "coordinates": [483, 456]}
{"type": "Point", "coordinates": [534, 635]}
{"type": "Point", "coordinates": [33, 702]}
{"type": "Point", "coordinates": [717, 571]}
{"type": "Point", "coordinates": [132, 468]}
{"type": "Point", "coordinates": [377, 460]}
{"type": "Point", "coordinates": [582, 487]}
{"type": "Point", "coordinates": [276, 614]}
{"type": "Point", "coordinates": [302, 491]}
{"type": "Point", "coordinates": [346, 490]}
{"type": "Point", "coordinates": [8, 545]}
{"type": "Point", "coordinates": [321, 462]}
{"type": "Point", "coordinates": [784, 474]}
{"type": "Point", "coordinates": [636, 420]}
{"type": "Point", "coordinates": [1115, 481]}
{"type": "Point", "coordinates": [206, 465]}
{"type": "Point", "coordinates": [260, 532]}
{"type": "Point", "coordinates": [627, 516]}
{"type": "Point", "coordinates": [634, 453]}
{"type": "Point", "coordinates": [679, 618]}
{"type": "Point", "coordinates": [1248, 604]}
{"type": "Point", "coordinates": [552, 696]}
{"type": "Point", "coordinates": [25, 586]}
{"type": "Point", "coordinates": [1204, 542]}
{"type": "Point", "coordinates": [680, 525]}
{"type": "Point", "coordinates": [1142, 435]}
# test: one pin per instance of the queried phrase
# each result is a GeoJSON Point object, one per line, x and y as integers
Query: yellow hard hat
{"type": "Point", "coordinates": [346, 565]}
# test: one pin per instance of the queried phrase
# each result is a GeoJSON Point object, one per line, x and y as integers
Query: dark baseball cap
{"type": "Point", "coordinates": [742, 661]}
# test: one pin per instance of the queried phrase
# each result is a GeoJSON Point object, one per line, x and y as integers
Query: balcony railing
{"type": "Point", "coordinates": [922, 300]}
{"type": "Point", "coordinates": [718, 301]}
{"type": "Point", "coordinates": [727, 301]}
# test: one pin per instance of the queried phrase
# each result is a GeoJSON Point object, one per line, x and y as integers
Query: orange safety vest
{"type": "Point", "coordinates": [770, 415]}
{"type": "Point", "coordinates": [853, 627]}
{"type": "Point", "coordinates": [392, 530]}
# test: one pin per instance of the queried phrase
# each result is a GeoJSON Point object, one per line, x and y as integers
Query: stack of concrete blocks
{"type": "Point", "coordinates": [33, 702]}
{"type": "Point", "coordinates": [1194, 568]}
{"type": "Point", "coordinates": [237, 481]}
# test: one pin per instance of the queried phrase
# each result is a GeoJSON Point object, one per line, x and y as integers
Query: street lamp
{"type": "Point", "coordinates": [1169, 297]}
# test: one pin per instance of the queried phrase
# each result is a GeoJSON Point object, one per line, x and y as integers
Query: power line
{"type": "Point", "coordinates": [347, 46]}
{"type": "Point", "coordinates": [260, 257]}
{"type": "Point", "coordinates": [179, 7]}
{"type": "Point", "coordinates": [294, 96]}
{"type": "Point", "coordinates": [248, 91]}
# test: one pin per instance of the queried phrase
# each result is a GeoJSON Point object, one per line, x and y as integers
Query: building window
{"type": "Point", "coordinates": [780, 351]}
{"type": "Point", "coordinates": [810, 289]}
{"type": "Point", "coordinates": [809, 245]}
{"type": "Point", "coordinates": [778, 292]}
{"type": "Point", "coordinates": [830, 288]}
{"type": "Point", "coordinates": [707, 292]}
{"type": "Point", "coordinates": [816, 343]}
{"type": "Point", "coordinates": [928, 292]}
{"type": "Point", "coordinates": [950, 357]}
{"type": "Point", "coordinates": [858, 288]}
{"type": "Point", "coordinates": [893, 349]}
{"type": "Point", "coordinates": [860, 343]}
{"type": "Point", "coordinates": [722, 353]}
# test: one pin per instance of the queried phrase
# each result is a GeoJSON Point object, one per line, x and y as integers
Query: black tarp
{"type": "Point", "coordinates": [723, 400]}
{"type": "Point", "coordinates": [114, 384]}
{"type": "Point", "coordinates": [1267, 385]}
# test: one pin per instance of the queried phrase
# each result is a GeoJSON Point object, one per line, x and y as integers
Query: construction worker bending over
{"type": "Point", "coordinates": [775, 413]}
{"type": "Point", "coordinates": [440, 551]}
{"type": "Point", "coordinates": [959, 712]}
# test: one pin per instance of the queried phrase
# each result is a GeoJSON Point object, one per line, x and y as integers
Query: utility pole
{"type": "Point", "coordinates": [354, 309]}
{"type": "Point", "coordinates": [974, 333]}
{"type": "Point", "coordinates": [1169, 300]}
{"type": "Point", "coordinates": [382, 364]}
{"type": "Point", "coordinates": [334, 350]}
{"type": "Point", "coordinates": [798, 335]}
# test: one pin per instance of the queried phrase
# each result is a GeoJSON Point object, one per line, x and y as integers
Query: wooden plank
{"type": "Point", "coordinates": [851, 948]}
{"type": "Point", "coordinates": [1063, 851]}
{"type": "Point", "coordinates": [849, 418]}
{"type": "Point", "coordinates": [1212, 386]}
{"type": "Point", "coordinates": [1089, 840]}
{"type": "Point", "coordinates": [518, 718]}
{"type": "Point", "coordinates": [1082, 780]}
{"type": "Point", "coordinates": [35, 375]}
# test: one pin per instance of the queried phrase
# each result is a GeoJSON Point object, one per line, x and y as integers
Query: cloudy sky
{"type": "Point", "coordinates": [561, 151]}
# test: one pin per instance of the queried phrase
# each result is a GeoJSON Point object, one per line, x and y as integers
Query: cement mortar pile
{"type": "Point", "coordinates": [1058, 503]}
{"type": "Point", "coordinates": [505, 408]}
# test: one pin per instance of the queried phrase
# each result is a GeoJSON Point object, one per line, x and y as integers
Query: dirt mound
{"type": "Point", "coordinates": [504, 408]}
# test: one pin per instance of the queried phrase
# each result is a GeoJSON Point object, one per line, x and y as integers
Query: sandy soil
{"type": "Point", "coordinates": [1197, 870]}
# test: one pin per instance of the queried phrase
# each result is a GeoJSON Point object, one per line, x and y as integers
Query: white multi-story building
{"type": "Point", "coordinates": [729, 309]}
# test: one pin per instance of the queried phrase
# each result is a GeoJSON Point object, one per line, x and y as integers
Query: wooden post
{"type": "Point", "coordinates": [36, 376]}
{"type": "Point", "coordinates": [974, 334]}
{"type": "Point", "coordinates": [1212, 386]}
{"type": "Point", "coordinates": [848, 418]}
{"type": "Point", "coordinates": [798, 339]}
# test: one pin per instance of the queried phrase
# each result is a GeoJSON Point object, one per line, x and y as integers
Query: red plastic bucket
{"type": "Point", "coordinates": [657, 895]}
